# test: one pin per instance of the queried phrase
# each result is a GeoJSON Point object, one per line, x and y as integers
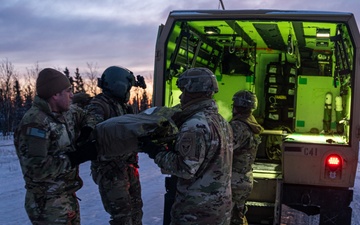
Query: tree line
{"type": "Point", "coordinates": [17, 91]}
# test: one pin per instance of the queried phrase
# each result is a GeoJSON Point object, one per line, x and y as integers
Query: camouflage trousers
{"type": "Point", "coordinates": [238, 216]}
{"type": "Point", "coordinates": [120, 190]}
{"type": "Point", "coordinates": [62, 209]}
{"type": "Point", "coordinates": [240, 192]}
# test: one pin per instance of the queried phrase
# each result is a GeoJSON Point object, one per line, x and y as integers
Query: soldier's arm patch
{"type": "Point", "coordinates": [35, 132]}
{"type": "Point", "coordinates": [188, 147]}
{"type": "Point", "coordinates": [37, 141]}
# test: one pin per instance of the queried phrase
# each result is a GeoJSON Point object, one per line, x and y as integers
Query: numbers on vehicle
{"type": "Point", "coordinates": [310, 151]}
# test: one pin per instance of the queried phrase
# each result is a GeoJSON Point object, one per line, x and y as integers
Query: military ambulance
{"type": "Point", "coordinates": [304, 67]}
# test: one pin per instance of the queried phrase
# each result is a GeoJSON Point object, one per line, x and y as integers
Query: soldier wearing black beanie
{"type": "Point", "coordinates": [51, 141]}
{"type": "Point", "coordinates": [51, 82]}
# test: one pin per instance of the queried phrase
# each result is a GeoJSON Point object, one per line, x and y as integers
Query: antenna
{"type": "Point", "coordinates": [222, 4]}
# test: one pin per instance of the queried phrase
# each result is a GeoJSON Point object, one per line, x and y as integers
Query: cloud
{"type": "Point", "coordinates": [76, 32]}
{"type": "Point", "coordinates": [71, 33]}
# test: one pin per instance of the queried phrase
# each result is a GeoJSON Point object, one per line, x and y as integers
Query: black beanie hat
{"type": "Point", "coordinates": [51, 82]}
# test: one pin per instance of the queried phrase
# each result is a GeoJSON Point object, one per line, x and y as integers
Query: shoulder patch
{"type": "Point", "coordinates": [35, 132]}
{"type": "Point", "coordinates": [187, 145]}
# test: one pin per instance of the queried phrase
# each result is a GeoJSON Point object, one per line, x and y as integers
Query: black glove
{"type": "Point", "coordinates": [84, 135]}
{"type": "Point", "coordinates": [86, 151]}
{"type": "Point", "coordinates": [152, 149]}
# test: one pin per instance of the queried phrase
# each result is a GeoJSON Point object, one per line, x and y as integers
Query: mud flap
{"type": "Point", "coordinates": [330, 206]}
{"type": "Point", "coordinates": [331, 217]}
{"type": "Point", "coordinates": [170, 186]}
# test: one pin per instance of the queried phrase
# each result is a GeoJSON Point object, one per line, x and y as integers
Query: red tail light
{"type": "Point", "coordinates": [333, 160]}
{"type": "Point", "coordinates": [333, 166]}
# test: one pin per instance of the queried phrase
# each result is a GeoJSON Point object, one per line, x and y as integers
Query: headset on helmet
{"type": "Point", "coordinates": [245, 99]}
{"type": "Point", "coordinates": [198, 80]}
{"type": "Point", "coordinates": [117, 81]}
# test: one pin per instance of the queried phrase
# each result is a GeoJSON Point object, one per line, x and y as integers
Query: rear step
{"type": "Point", "coordinates": [260, 204]}
{"type": "Point", "coordinates": [264, 202]}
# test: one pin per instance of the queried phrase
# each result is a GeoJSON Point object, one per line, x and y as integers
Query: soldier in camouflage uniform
{"type": "Point", "coordinates": [45, 143]}
{"type": "Point", "coordinates": [201, 158]}
{"type": "Point", "coordinates": [246, 140]}
{"type": "Point", "coordinates": [117, 177]}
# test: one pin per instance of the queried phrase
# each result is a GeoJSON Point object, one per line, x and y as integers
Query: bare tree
{"type": "Point", "coordinates": [7, 73]}
{"type": "Point", "coordinates": [139, 99]}
{"type": "Point", "coordinates": [29, 89]}
{"type": "Point", "coordinates": [92, 79]}
{"type": "Point", "coordinates": [30, 81]}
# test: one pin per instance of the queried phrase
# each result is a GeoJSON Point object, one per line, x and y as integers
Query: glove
{"type": "Point", "coordinates": [152, 149]}
{"type": "Point", "coordinates": [84, 135]}
{"type": "Point", "coordinates": [85, 152]}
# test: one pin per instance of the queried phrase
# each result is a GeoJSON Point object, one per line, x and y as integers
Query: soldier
{"type": "Point", "coordinates": [246, 140]}
{"type": "Point", "coordinates": [45, 143]}
{"type": "Point", "coordinates": [202, 155]}
{"type": "Point", "coordinates": [117, 177]}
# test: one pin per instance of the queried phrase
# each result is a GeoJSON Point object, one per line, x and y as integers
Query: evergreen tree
{"type": "Point", "coordinates": [78, 81]}
{"type": "Point", "coordinates": [135, 104]}
{"type": "Point", "coordinates": [67, 74]}
{"type": "Point", "coordinates": [18, 109]}
{"type": "Point", "coordinates": [144, 103]}
{"type": "Point", "coordinates": [28, 95]}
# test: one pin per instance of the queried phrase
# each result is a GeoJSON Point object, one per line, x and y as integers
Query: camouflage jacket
{"type": "Point", "coordinates": [201, 160]}
{"type": "Point", "coordinates": [41, 140]}
{"type": "Point", "coordinates": [103, 107]}
{"type": "Point", "coordinates": [246, 140]}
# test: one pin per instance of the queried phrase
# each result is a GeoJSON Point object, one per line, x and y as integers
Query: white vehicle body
{"type": "Point", "coordinates": [304, 67]}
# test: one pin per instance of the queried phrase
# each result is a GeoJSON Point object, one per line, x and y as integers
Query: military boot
{"type": "Point", "coordinates": [238, 216]}
{"type": "Point", "coordinates": [244, 221]}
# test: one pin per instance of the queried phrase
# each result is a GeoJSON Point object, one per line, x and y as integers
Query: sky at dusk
{"type": "Point", "coordinates": [74, 33]}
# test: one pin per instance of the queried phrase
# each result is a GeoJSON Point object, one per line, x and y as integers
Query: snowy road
{"type": "Point", "coordinates": [12, 192]}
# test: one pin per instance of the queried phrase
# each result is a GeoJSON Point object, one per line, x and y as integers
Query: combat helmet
{"type": "Point", "coordinates": [245, 99]}
{"type": "Point", "coordinates": [198, 80]}
{"type": "Point", "coordinates": [117, 82]}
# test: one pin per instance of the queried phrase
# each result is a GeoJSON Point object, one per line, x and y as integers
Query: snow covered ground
{"type": "Point", "coordinates": [12, 192]}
